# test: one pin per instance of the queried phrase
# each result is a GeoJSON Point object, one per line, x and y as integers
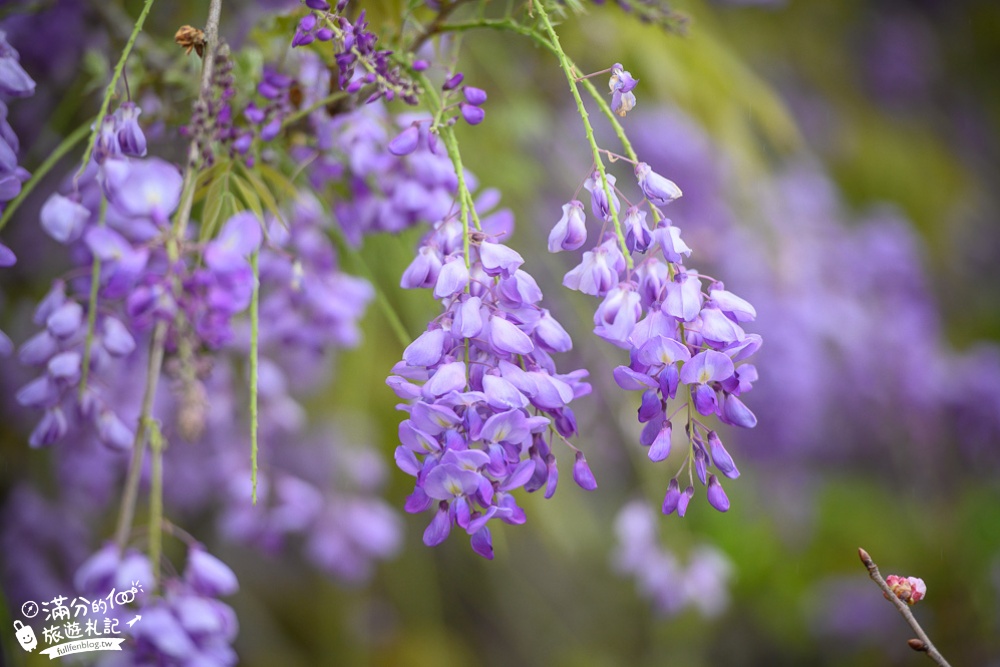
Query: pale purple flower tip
{"type": "Point", "coordinates": [673, 497]}
{"type": "Point", "coordinates": [320, 5]}
{"type": "Point", "coordinates": [472, 114]}
{"type": "Point", "coordinates": [405, 142]}
{"type": "Point", "coordinates": [720, 457]}
{"type": "Point", "coordinates": [499, 260]}
{"type": "Point", "coordinates": [439, 528]}
{"type": "Point", "coordinates": [208, 575]}
{"type": "Point", "coordinates": [473, 95]}
{"type": "Point", "coordinates": [65, 365]}
{"type": "Point", "coordinates": [482, 543]}
{"type": "Point", "coordinates": [453, 82]}
{"type": "Point", "coordinates": [7, 257]}
{"type": "Point", "coordinates": [570, 232]}
{"type": "Point", "coordinates": [65, 320]}
{"type": "Point", "coordinates": [324, 34]}
{"type": "Point", "coordinates": [716, 495]}
{"type": "Point", "coordinates": [684, 500]}
{"type": "Point", "coordinates": [582, 474]}
{"type": "Point", "coordinates": [113, 432]}
{"type": "Point", "coordinates": [52, 428]}
{"type": "Point", "coordinates": [658, 190]}
{"type": "Point", "coordinates": [40, 392]}
{"type": "Point", "coordinates": [115, 338]}
{"type": "Point", "coordinates": [660, 449]}
{"type": "Point", "coordinates": [63, 219]}
{"type": "Point", "coordinates": [420, 65]}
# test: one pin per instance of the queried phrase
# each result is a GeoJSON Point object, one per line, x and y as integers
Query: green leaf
{"type": "Point", "coordinates": [249, 196]}
{"type": "Point", "coordinates": [212, 210]}
{"type": "Point", "coordinates": [264, 193]}
{"type": "Point", "coordinates": [278, 180]}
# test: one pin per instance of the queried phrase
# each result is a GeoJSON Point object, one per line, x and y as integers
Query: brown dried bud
{"type": "Point", "coordinates": [189, 37]}
{"type": "Point", "coordinates": [916, 644]}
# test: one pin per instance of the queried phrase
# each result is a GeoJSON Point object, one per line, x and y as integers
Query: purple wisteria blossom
{"type": "Point", "coordinates": [485, 398]}
{"type": "Point", "coordinates": [685, 340]}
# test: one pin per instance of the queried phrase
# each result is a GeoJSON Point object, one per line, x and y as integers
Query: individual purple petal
{"type": "Point", "coordinates": [473, 95]}
{"type": "Point", "coordinates": [406, 460]}
{"type": "Point", "coordinates": [130, 136]}
{"type": "Point", "coordinates": [736, 413]}
{"type": "Point", "coordinates": [706, 401]}
{"type": "Point", "coordinates": [663, 351]}
{"type": "Point", "coordinates": [660, 449]}
{"type": "Point", "coordinates": [63, 219]}
{"type": "Point", "coordinates": [599, 198]}
{"type": "Point", "coordinates": [570, 232]}
{"type": "Point", "coordinates": [499, 260]}
{"type": "Point", "coordinates": [506, 337]}
{"type": "Point", "coordinates": [472, 114]}
{"type": "Point", "coordinates": [631, 380]}
{"type": "Point", "coordinates": [506, 426]}
{"type": "Point", "coordinates": [453, 82]}
{"type": "Point", "coordinates": [720, 457]}
{"type": "Point", "coordinates": [740, 309]}
{"type": "Point", "coordinates": [448, 481]}
{"type": "Point", "coordinates": [651, 406]}
{"type": "Point", "coordinates": [673, 497]}
{"type": "Point", "coordinates": [65, 365]}
{"type": "Point", "coordinates": [719, 329]}
{"type": "Point", "coordinates": [113, 432]}
{"type": "Point", "coordinates": [447, 378]}
{"type": "Point", "coordinates": [40, 392]}
{"type": "Point", "coordinates": [38, 349]}
{"type": "Point", "coordinates": [208, 575]}
{"type": "Point", "coordinates": [405, 142]}
{"type": "Point", "coordinates": [6, 345]}
{"type": "Point", "coordinates": [319, 5]}
{"type": "Point", "coordinates": [582, 474]}
{"type": "Point", "coordinates": [669, 239]}
{"type": "Point", "coordinates": [7, 257]}
{"type": "Point", "coordinates": [65, 320]}
{"type": "Point", "coordinates": [658, 190]}
{"type": "Point", "coordinates": [707, 366]}
{"type": "Point", "coordinates": [684, 500]}
{"type": "Point", "coordinates": [426, 350]}
{"type": "Point", "coordinates": [637, 233]}
{"type": "Point", "coordinates": [439, 528]}
{"type": "Point", "coordinates": [683, 299]}
{"type": "Point", "coordinates": [115, 338]}
{"type": "Point", "coordinates": [501, 394]}
{"type": "Point", "coordinates": [423, 270]}
{"type": "Point", "coordinates": [482, 543]}
{"type": "Point", "coordinates": [452, 279]}
{"type": "Point", "coordinates": [52, 428]}
{"type": "Point", "coordinates": [551, 334]}
{"type": "Point", "coordinates": [468, 320]}
{"type": "Point", "coordinates": [716, 495]}
{"type": "Point", "coordinates": [622, 103]}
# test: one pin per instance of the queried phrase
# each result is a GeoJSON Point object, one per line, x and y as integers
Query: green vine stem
{"type": "Point", "coordinates": [112, 85]}
{"type": "Point", "coordinates": [254, 345]}
{"type": "Point", "coordinates": [127, 509]}
{"type": "Point", "coordinates": [67, 144]}
{"type": "Point", "coordinates": [156, 446]}
{"type": "Point", "coordinates": [570, 73]}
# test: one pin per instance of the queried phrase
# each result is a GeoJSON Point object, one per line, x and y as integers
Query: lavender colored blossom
{"type": "Point", "coordinates": [471, 379]}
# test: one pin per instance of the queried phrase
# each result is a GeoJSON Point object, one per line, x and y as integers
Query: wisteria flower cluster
{"type": "Point", "coordinates": [486, 397]}
{"type": "Point", "coordinates": [680, 335]}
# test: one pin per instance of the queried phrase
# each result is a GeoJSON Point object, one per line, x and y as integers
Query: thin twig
{"type": "Point", "coordinates": [923, 643]}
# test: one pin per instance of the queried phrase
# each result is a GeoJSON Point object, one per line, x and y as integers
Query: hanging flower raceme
{"type": "Point", "coordinates": [485, 397]}
{"type": "Point", "coordinates": [683, 337]}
